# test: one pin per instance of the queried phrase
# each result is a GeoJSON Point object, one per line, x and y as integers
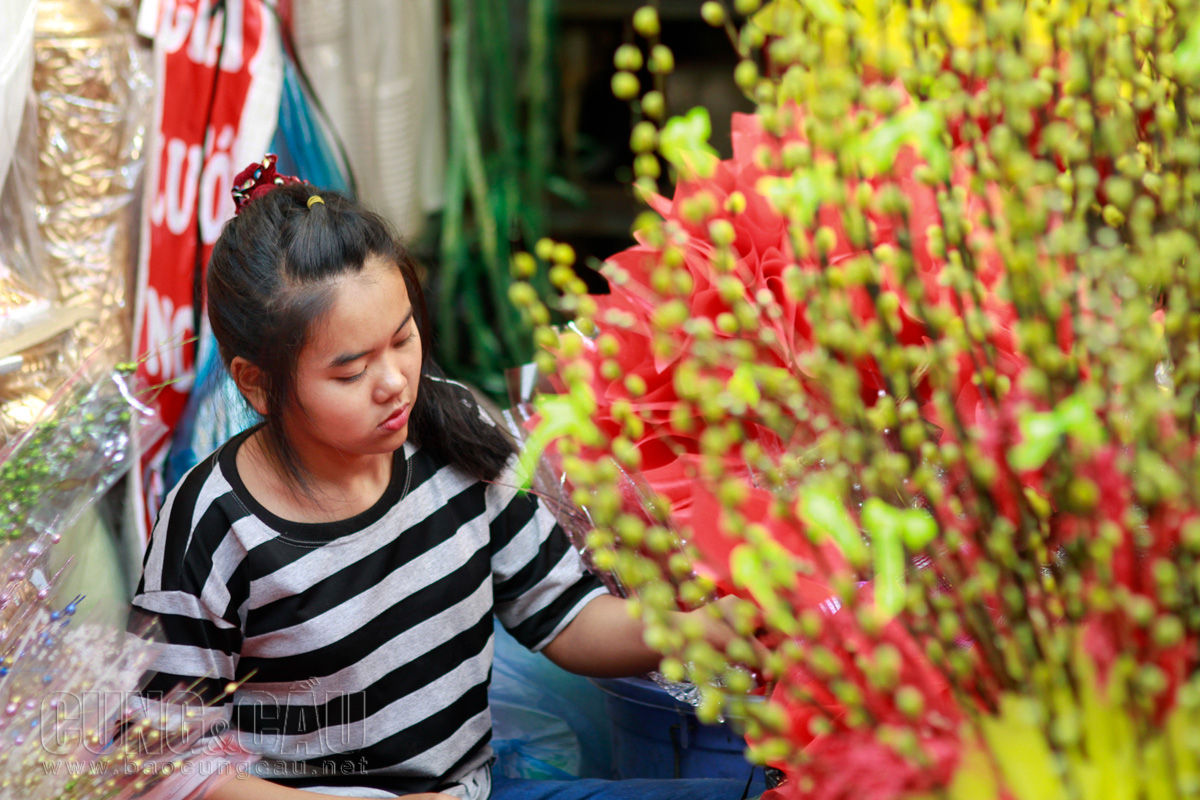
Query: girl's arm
{"type": "Point", "coordinates": [606, 641]}
{"type": "Point", "coordinates": [248, 787]}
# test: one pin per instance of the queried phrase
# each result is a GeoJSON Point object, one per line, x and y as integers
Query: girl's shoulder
{"type": "Point", "coordinates": [197, 517]}
{"type": "Point", "coordinates": [206, 485]}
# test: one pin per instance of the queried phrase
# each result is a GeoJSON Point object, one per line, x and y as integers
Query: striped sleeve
{"type": "Point", "coordinates": [186, 596]}
{"type": "Point", "coordinates": [540, 582]}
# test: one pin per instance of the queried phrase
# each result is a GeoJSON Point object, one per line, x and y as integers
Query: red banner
{"type": "Point", "coordinates": [212, 119]}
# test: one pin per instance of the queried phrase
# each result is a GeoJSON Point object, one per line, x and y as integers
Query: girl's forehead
{"type": "Point", "coordinates": [367, 307]}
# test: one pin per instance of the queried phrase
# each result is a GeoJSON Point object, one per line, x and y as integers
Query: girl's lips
{"type": "Point", "coordinates": [397, 420]}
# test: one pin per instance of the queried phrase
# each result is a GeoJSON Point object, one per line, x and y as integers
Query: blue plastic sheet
{"type": "Point", "coordinates": [546, 722]}
{"type": "Point", "coordinates": [302, 140]}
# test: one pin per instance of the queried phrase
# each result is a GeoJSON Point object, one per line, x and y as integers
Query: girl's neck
{"type": "Point", "coordinates": [331, 492]}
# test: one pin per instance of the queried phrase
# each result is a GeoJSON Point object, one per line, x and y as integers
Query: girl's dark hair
{"type": "Point", "coordinates": [269, 280]}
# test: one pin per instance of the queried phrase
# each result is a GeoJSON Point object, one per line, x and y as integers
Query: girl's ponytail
{"type": "Point", "coordinates": [448, 422]}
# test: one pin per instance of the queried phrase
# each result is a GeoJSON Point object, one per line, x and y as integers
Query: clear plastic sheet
{"type": "Point", "coordinates": [550, 485]}
{"type": "Point", "coordinates": [546, 722]}
{"type": "Point", "coordinates": [34, 337]}
{"type": "Point", "coordinates": [68, 204]}
{"type": "Point", "coordinates": [16, 66]}
{"type": "Point", "coordinates": [72, 726]}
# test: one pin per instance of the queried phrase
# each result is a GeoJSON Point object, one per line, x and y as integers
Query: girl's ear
{"type": "Point", "coordinates": [249, 380]}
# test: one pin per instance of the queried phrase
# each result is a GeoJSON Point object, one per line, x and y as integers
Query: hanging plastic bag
{"type": "Point", "coordinates": [16, 72]}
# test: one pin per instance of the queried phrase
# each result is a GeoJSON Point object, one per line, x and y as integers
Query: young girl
{"type": "Point", "coordinates": [342, 561]}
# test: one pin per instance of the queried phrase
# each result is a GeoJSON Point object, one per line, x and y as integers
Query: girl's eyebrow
{"type": "Point", "coordinates": [346, 358]}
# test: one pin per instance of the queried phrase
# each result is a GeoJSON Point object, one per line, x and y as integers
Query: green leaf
{"type": "Point", "coordinates": [1040, 436]}
{"type": "Point", "coordinates": [683, 142]}
{"type": "Point", "coordinates": [757, 568]}
{"type": "Point", "coordinates": [918, 528]}
{"type": "Point", "coordinates": [783, 17]}
{"type": "Point", "coordinates": [884, 524]}
{"type": "Point", "coordinates": [1042, 432]}
{"type": "Point", "coordinates": [1018, 745]}
{"type": "Point", "coordinates": [927, 130]}
{"type": "Point", "coordinates": [797, 196]}
{"type": "Point", "coordinates": [822, 510]}
{"type": "Point", "coordinates": [920, 126]}
{"type": "Point", "coordinates": [560, 416]}
{"type": "Point", "coordinates": [1077, 417]}
{"type": "Point", "coordinates": [743, 386]}
{"type": "Point", "coordinates": [1187, 53]}
{"type": "Point", "coordinates": [892, 529]}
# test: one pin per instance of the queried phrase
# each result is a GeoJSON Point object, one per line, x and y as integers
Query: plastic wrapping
{"type": "Point", "coordinates": [16, 67]}
{"type": "Point", "coordinates": [550, 483]}
{"type": "Point", "coordinates": [548, 480]}
{"type": "Point", "coordinates": [34, 327]}
{"type": "Point", "coordinates": [81, 443]}
{"type": "Point", "coordinates": [27, 294]}
{"type": "Point", "coordinates": [31, 322]}
{"type": "Point", "coordinates": [72, 725]}
{"type": "Point", "coordinates": [94, 98]}
{"type": "Point", "coordinates": [67, 210]}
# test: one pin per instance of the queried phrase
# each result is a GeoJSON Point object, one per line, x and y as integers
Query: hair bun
{"type": "Point", "coordinates": [256, 180]}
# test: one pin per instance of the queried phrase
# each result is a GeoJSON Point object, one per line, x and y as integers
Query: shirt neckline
{"type": "Point", "coordinates": [313, 532]}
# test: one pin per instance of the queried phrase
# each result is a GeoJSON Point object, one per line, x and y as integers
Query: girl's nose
{"type": "Point", "coordinates": [391, 382]}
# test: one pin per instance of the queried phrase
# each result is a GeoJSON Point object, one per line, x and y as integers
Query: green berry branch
{"type": "Point", "coordinates": [912, 373]}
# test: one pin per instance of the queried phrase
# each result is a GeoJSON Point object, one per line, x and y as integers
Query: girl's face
{"type": "Point", "coordinates": [356, 378]}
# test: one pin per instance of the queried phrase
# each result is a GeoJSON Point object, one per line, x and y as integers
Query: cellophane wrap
{"type": "Point", "coordinates": [94, 95]}
{"type": "Point", "coordinates": [550, 484]}
{"type": "Point", "coordinates": [547, 480]}
{"type": "Point", "coordinates": [79, 445]}
{"type": "Point", "coordinates": [71, 721]}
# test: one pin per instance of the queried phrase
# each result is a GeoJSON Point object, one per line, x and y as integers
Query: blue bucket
{"type": "Point", "coordinates": [656, 736]}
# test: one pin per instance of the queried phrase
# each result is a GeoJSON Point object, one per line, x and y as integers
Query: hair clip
{"type": "Point", "coordinates": [314, 199]}
{"type": "Point", "coordinates": [258, 179]}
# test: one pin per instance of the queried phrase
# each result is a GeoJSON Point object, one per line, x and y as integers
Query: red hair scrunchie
{"type": "Point", "coordinates": [256, 180]}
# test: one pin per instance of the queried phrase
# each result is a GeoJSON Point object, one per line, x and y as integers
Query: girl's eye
{"type": "Point", "coordinates": [351, 378]}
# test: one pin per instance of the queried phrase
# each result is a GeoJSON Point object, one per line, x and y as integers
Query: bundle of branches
{"type": "Point", "coordinates": [915, 374]}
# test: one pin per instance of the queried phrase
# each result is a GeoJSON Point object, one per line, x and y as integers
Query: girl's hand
{"type": "Point", "coordinates": [606, 641]}
{"type": "Point", "coordinates": [717, 620]}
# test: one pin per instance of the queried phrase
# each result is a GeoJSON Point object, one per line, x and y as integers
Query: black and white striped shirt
{"type": "Point", "coordinates": [364, 646]}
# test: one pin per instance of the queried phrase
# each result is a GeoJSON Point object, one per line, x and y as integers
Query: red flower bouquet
{"type": "Point", "coordinates": [916, 379]}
